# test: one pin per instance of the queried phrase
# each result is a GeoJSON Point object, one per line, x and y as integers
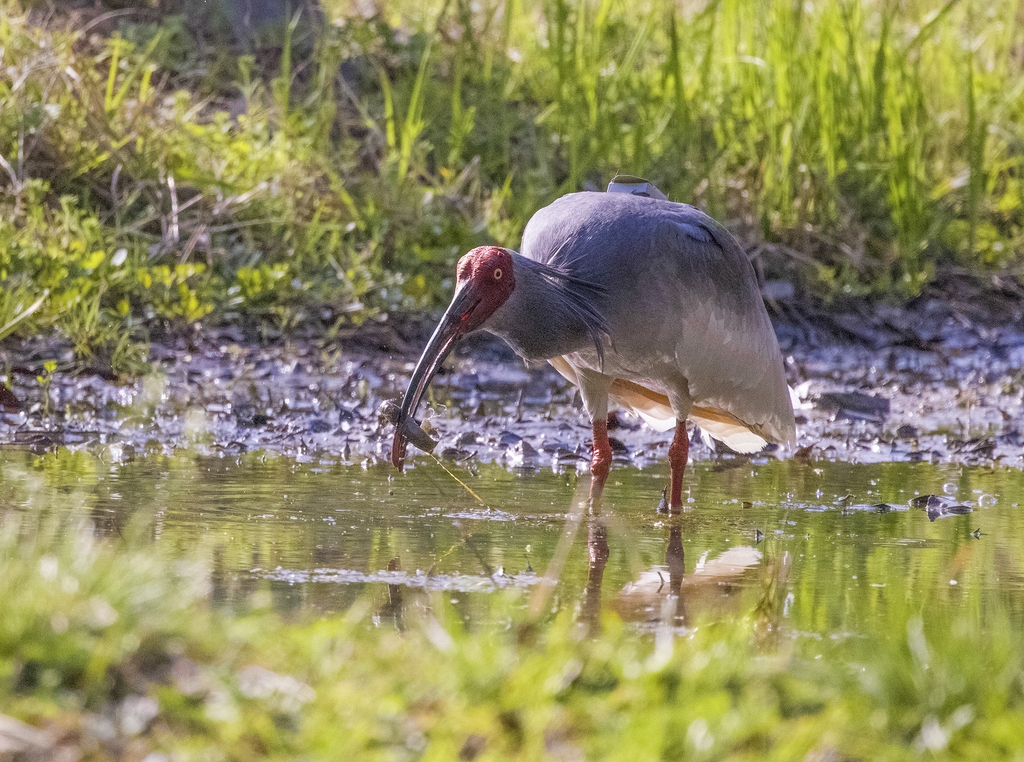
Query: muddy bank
{"type": "Point", "coordinates": [931, 383]}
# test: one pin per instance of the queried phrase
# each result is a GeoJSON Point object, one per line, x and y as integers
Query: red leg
{"type": "Point", "coordinates": [678, 452]}
{"type": "Point", "coordinates": [601, 460]}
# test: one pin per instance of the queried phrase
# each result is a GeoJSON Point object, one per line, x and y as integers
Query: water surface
{"type": "Point", "coordinates": [825, 549]}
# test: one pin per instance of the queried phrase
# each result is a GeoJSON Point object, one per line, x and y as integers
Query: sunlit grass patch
{"type": "Point", "coordinates": [152, 181]}
{"type": "Point", "coordinates": [112, 647]}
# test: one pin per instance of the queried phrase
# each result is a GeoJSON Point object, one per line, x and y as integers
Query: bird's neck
{"type": "Point", "coordinates": [547, 314]}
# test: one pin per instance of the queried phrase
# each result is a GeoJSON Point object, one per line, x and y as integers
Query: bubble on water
{"type": "Point", "coordinates": [986, 501]}
{"type": "Point", "coordinates": [950, 488]}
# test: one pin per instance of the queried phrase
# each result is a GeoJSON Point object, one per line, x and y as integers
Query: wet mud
{"type": "Point", "coordinates": [897, 385]}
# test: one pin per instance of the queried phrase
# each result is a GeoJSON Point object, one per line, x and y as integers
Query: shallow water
{"type": "Point", "coordinates": [819, 549]}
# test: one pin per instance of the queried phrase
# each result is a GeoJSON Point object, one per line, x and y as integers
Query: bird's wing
{"type": "Point", "coordinates": [719, 334]}
{"type": "Point", "coordinates": [654, 408]}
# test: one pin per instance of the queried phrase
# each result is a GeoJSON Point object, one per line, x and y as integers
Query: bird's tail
{"type": "Point", "coordinates": [654, 408]}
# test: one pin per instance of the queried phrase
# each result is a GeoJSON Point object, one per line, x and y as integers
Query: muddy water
{"type": "Point", "coordinates": [821, 548]}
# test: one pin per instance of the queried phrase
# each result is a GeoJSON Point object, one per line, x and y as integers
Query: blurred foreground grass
{"type": "Point", "coordinates": [113, 650]}
{"type": "Point", "coordinates": [156, 173]}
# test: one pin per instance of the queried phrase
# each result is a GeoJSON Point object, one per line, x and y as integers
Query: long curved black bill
{"type": "Point", "coordinates": [443, 340]}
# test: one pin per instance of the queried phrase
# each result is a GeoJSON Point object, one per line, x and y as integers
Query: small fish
{"type": "Point", "coordinates": [411, 431]}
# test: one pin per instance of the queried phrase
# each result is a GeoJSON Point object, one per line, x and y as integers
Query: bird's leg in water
{"type": "Point", "coordinates": [601, 460]}
{"type": "Point", "coordinates": [678, 452]}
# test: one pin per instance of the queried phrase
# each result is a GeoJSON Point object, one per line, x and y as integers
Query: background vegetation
{"type": "Point", "coordinates": [166, 164]}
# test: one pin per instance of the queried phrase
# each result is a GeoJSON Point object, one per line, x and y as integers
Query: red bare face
{"type": "Point", "coordinates": [488, 271]}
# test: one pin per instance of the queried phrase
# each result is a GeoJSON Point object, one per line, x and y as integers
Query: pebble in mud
{"type": "Point", "coordinates": [560, 450]}
{"type": "Point", "coordinates": [7, 399]}
{"type": "Point", "coordinates": [456, 454]}
{"type": "Point", "coordinates": [854, 405]}
{"type": "Point", "coordinates": [467, 438]}
{"type": "Point", "coordinates": [508, 439]}
{"type": "Point", "coordinates": [618, 446]}
{"type": "Point", "coordinates": [524, 449]}
{"type": "Point", "coordinates": [522, 455]}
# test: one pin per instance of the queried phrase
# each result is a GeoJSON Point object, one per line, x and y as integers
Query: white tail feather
{"type": "Point", "coordinates": [655, 410]}
{"type": "Point", "coordinates": [737, 437]}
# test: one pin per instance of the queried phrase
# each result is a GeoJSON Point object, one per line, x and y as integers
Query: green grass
{"type": "Point", "coordinates": [153, 179]}
{"type": "Point", "coordinates": [93, 627]}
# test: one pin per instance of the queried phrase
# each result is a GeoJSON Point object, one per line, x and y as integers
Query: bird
{"type": "Point", "coordinates": [637, 300]}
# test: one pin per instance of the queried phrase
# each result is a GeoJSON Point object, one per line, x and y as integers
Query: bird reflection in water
{"type": "Point", "coordinates": [665, 595]}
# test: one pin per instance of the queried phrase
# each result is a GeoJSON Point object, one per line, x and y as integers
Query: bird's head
{"type": "Point", "coordinates": [484, 281]}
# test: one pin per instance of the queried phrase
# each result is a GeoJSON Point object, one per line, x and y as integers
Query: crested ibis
{"type": "Point", "coordinates": [637, 300]}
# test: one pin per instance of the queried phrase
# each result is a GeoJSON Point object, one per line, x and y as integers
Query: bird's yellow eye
{"type": "Point", "coordinates": [497, 273]}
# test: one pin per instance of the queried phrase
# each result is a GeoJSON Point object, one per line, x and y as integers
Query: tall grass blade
{"type": "Point", "coordinates": [8, 328]}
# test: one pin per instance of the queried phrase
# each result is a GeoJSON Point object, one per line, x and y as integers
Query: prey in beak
{"type": "Point", "coordinates": [484, 282]}
{"type": "Point", "coordinates": [411, 431]}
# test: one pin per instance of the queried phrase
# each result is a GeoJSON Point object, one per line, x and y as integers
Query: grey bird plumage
{"type": "Point", "coordinates": [615, 288]}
